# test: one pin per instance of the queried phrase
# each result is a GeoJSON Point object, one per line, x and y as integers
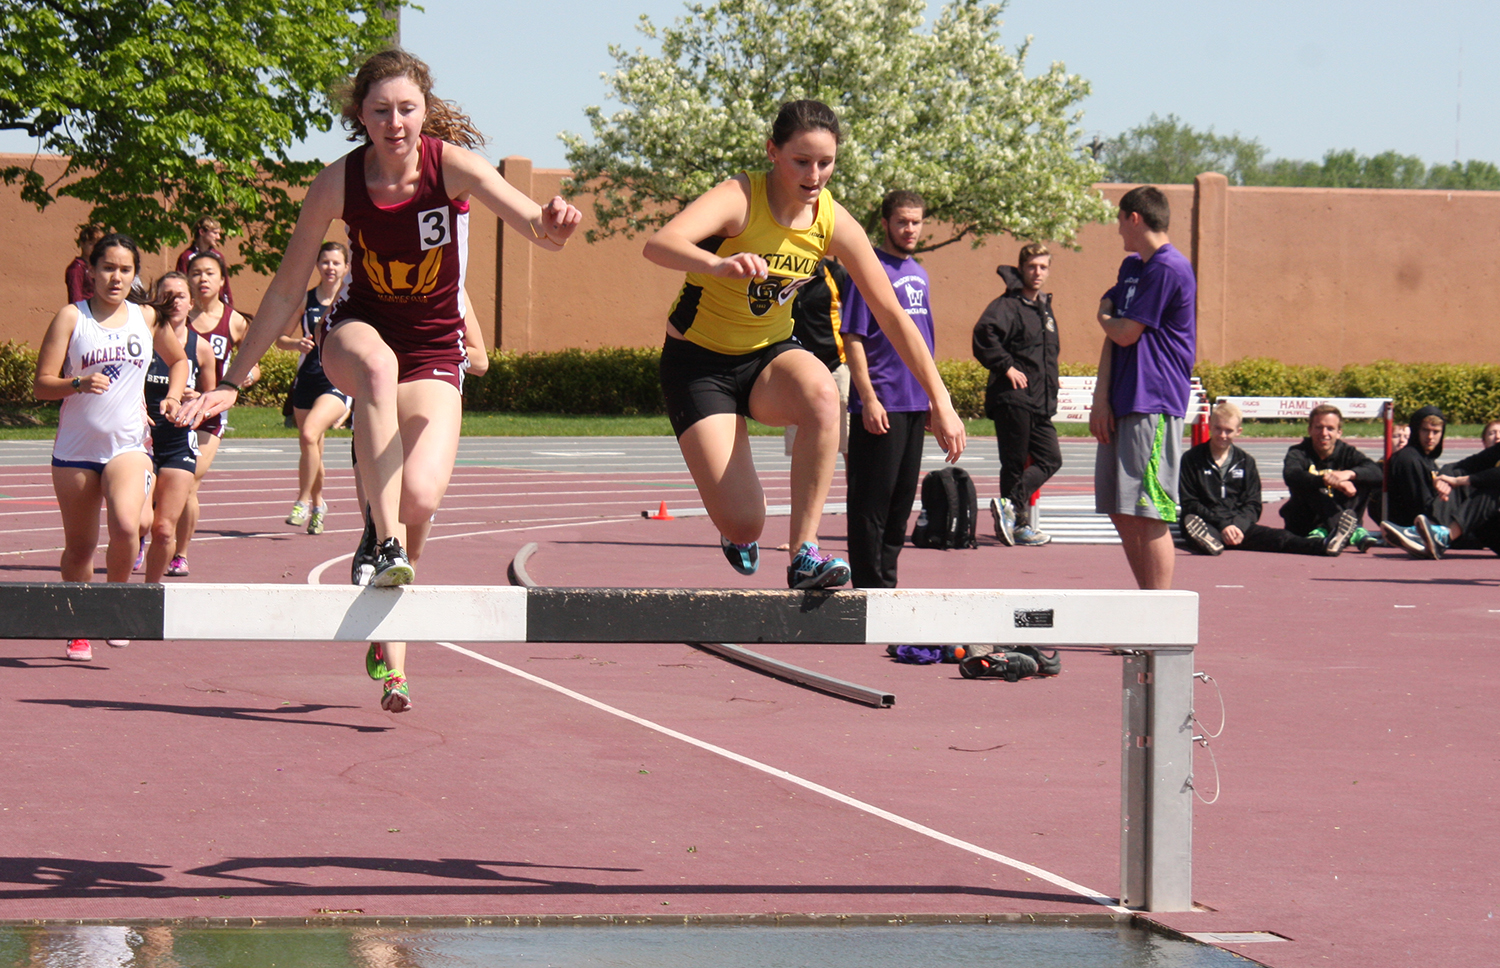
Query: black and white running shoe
{"type": "Point", "coordinates": [392, 567]}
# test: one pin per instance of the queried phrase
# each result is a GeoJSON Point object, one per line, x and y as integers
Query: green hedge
{"type": "Point", "coordinates": [623, 380]}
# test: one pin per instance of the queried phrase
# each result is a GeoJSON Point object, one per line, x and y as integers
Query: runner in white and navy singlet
{"type": "Point", "coordinates": [93, 358]}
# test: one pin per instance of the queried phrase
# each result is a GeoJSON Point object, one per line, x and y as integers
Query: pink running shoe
{"type": "Point", "coordinates": [79, 650]}
{"type": "Point", "coordinates": [140, 556]}
{"type": "Point", "coordinates": [178, 568]}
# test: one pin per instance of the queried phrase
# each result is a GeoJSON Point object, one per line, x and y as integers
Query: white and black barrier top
{"type": "Point", "coordinates": [503, 613]}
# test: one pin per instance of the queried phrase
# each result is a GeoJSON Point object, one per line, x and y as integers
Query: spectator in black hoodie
{"type": "Point", "coordinates": [1456, 506]}
{"type": "Point", "coordinates": [1016, 340]}
{"type": "Point", "coordinates": [1220, 489]}
{"type": "Point", "coordinates": [1327, 478]}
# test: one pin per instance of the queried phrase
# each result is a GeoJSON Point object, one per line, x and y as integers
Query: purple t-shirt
{"type": "Point", "coordinates": [895, 386]}
{"type": "Point", "coordinates": [1154, 374]}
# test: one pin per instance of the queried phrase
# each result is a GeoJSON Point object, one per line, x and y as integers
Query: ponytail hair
{"type": "Point", "coordinates": [445, 120]}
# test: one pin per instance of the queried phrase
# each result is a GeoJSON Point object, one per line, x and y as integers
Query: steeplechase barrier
{"type": "Point", "coordinates": [1154, 631]}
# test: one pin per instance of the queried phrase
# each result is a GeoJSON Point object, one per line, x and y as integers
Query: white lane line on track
{"type": "Point", "coordinates": [315, 577]}
{"type": "Point", "coordinates": [817, 788]}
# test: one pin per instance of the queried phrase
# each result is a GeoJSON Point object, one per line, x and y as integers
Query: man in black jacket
{"type": "Point", "coordinates": [1327, 477]}
{"type": "Point", "coordinates": [1016, 340]}
{"type": "Point", "coordinates": [1220, 489]}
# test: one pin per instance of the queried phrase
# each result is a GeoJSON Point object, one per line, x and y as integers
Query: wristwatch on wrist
{"type": "Point", "coordinates": [77, 383]}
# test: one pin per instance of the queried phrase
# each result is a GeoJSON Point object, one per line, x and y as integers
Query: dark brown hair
{"type": "Point", "coordinates": [1149, 202]}
{"type": "Point", "coordinates": [798, 116]}
{"type": "Point", "coordinates": [444, 119]}
{"type": "Point", "coordinates": [119, 240]}
{"type": "Point", "coordinates": [1321, 410]}
{"type": "Point", "coordinates": [901, 198]}
{"type": "Point", "coordinates": [330, 245]}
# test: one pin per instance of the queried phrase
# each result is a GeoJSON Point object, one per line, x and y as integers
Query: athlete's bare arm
{"type": "Point", "coordinates": [323, 204]}
{"type": "Point", "coordinates": [49, 383]}
{"type": "Point", "coordinates": [479, 358]}
{"type": "Point", "coordinates": [723, 210]}
{"type": "Point", "coordinates": [852, 247]}
{"type": "Point", "coordinates": [467, 174]}
{"type": "Point", "coordinates": [165, 343]}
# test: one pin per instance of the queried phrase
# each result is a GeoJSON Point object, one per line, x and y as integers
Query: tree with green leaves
{"type": "Point", "coordinates": [947, 112]}
{"type": "Point", "coordinates": [170, 110]}
{"type": "Point", "coordinates": [1165, 151]}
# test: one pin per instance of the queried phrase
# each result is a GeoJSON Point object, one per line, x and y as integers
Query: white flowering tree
{"type": "Point", "coordinates": [947, 112]}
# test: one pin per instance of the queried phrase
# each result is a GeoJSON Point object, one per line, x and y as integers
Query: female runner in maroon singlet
{"type": "Point", "coordinates": [393, 340]}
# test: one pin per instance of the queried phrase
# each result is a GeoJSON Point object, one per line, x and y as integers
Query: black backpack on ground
{"type": "Point", "coordinates": [949, 509]}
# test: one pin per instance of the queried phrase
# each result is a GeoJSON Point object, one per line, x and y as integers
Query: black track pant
{"type": "Point", "coordinates": [1261, 538]}
{"type": "Point", "coordinates": [1021, 434]}
{"type": "Point", "coordinates": [883, 474]}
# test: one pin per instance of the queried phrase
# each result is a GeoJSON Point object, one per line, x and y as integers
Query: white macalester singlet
{"type": "Point", "coordinates": [97, 427]}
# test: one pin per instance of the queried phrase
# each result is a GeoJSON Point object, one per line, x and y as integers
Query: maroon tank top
{"type": "Point", "coordinates": [408, 262]}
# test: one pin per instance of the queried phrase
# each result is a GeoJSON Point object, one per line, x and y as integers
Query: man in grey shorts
{"type": "Point", "coordinates": [1144, 386]}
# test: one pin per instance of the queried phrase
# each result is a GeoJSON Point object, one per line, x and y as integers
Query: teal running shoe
{"type": "Point", "coordinates": [813, 569]}
{"type": "Point", "coordinates": [744, 557]}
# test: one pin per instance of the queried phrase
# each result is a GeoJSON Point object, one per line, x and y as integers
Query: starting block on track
{"type": "Point", "coordinates": [1155, 632]}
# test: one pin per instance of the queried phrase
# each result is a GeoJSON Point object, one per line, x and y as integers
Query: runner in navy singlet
{"type": "Point", "coordinates": [394, 338]}
{"type": "Point", "coordinates": [174, 449]}
{"type": "Point", "coordinates": [317, 404]}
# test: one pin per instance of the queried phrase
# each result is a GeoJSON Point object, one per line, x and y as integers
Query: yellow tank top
{"type": "Point", "coordinates": [738, 316]}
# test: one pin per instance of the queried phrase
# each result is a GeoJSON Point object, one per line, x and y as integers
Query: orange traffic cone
{"type": "Point", "coordinates": [662, 514]}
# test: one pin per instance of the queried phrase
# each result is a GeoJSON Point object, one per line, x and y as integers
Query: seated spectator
{"type": "Point", "coordinates": [1327, 477]}
{"type": "Point", "coordinates": [1464, 513]}
{"type": "Point", "coordinates": [1414, 468]}
{"type": "Point", "coordinates": [1220, 487]}
{"type": "Point", "coordinates": [1491, 435]}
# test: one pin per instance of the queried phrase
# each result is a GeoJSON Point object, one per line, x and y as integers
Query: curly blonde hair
{"type": "Point", "coordinates": [444, 118]}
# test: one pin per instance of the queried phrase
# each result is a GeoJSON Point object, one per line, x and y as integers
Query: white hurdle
{"type": "Point", "coordinates": [1155, 632]}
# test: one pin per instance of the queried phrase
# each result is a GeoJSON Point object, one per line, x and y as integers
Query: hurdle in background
{"type": "Point", "coordinates": [1154, 631]}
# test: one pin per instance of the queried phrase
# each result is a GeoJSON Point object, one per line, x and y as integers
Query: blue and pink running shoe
{"type": "Point", "coordinates": [813, 569]}
{"type": "Point", "coordinates": [744, 557]}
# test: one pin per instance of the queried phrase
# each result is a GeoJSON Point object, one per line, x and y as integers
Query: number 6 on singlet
{"type": "Point", "coordinates": [432, 228]}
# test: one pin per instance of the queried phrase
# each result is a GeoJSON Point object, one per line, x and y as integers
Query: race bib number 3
{"type": "Point", "coordinates": [433, 228]}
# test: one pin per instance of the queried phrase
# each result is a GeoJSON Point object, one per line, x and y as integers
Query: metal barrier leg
{"type": "Point", "coordinates": [1156, 795]}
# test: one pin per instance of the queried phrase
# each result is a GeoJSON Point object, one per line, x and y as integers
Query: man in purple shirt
{"type": "Point", "coordinates": [1145, 374]}
{"type": "Point", "coordinates": [888, 409]}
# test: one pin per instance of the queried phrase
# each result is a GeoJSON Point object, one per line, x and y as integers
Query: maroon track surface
{"type": "Point", "coordinates": [1358, 816]}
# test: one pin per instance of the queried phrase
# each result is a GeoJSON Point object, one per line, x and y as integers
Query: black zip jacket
{"type": "Point", "coordinates": [1015, 333]}
{"type": "Point", "coordinates": [1222, 496]}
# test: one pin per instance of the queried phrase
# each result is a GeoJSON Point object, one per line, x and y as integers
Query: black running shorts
{"type": "Point", "coordinates": [698, 382]}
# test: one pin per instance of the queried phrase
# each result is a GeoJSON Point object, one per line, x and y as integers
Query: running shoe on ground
{"type": "Point", "coordinates": [315, 519]}
{"type": "Point", "coordinates": [813, 569]}
{"type": "Point", "coordinates": [1320, 533]}
{"type": "Point", "coordinates": [1047, 663]}
{"type": "Point", "coordinates": [375, 666]}
{"type": "Point", "coordinates": [1009, 666]}
{"type": "Point", "coordinates": [1406, 539]}
{"type": "Point", "coordinates": [363, 567]}
{"type": "Point", "coordinates": [745, 558]}
{"type": "Point", "coordinates": [1362, 540]}
{"type": "Point", "coordinates": [396, 699]}
{"type": "Point", "coordinates": [140, 557]}
{"type": "Point", "coordinates": [178, 567]}
{"type": "Point", "coordinates": [1435, 537]}
{"type": "Point", "coordinates": [1333, 545]}
{"type": "Point", "coordinates": [392, 567]}
{"type": "Point", "coordinates": [1030, 537]}
{"type": "Point", "coordinates": [79, 650]}
{"type": "Point", "coordinates": [1198, 533]}
{"type": "Point", "coordinates": [298, 517]}
{"type": "Point", "coordinates": [117, 643]}
{"type": "Point", "coordinates": [1004, 519]}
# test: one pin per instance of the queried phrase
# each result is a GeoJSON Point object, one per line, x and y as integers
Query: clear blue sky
{"type": "Point", "coordinates": [1303, 77]}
